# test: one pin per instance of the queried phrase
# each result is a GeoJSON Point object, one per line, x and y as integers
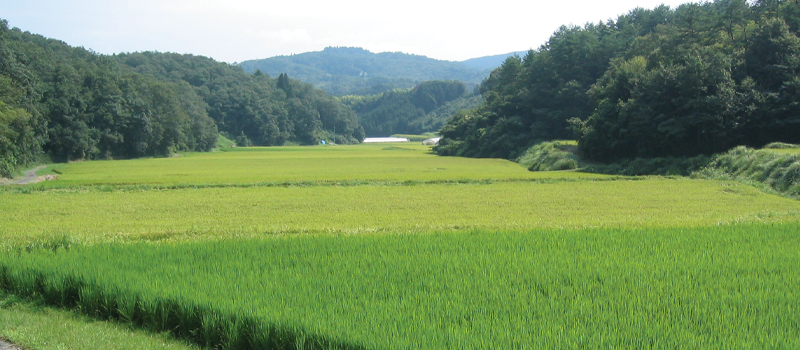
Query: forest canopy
{"type": "Point", "coordinates": [424, 108]}
{"type": "Point", "coordinates": [70, 103]}
{"type": "Point", "coordinates": [697, 79]}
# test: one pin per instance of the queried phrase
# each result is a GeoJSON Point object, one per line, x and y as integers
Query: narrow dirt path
{"type": "Point", "coordinates": [30, 175]}
{"type": "Point", "coordinates": [7, 346]}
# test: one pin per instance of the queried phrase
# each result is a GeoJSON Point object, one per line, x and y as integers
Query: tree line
{"type": "Point", "coordinates": [698, 79]}
{"type": "Point", "coordinates": [254, 109]}
{"type": "Point", "coordinates": [66, 103]}
{"type": "Point", "coordinates": [424, 108]}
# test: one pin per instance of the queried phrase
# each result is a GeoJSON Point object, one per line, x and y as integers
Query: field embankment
{"type": "Point", "coordinates": [774, 169]}
{"type": "Point", "coordinates": [564, 155]}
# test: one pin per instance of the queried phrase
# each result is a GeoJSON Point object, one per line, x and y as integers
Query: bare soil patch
{"type": "Point", "coordinates": [43, 178]}
{"type": "Point", "coordinates": [4, 345]}
{"type": "Point", "coordinates": [30, 177]}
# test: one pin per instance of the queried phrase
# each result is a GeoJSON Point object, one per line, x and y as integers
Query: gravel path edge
{"type": "Point", "coordinates": [30, 175]}
{"type": "Point", "coordinates": [4, 345]}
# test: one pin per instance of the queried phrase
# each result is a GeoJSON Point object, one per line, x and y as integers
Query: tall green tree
{"type": "Point", "coordinates": [694, 80]}
{"type": "Point", "coordinates": [413, 111]}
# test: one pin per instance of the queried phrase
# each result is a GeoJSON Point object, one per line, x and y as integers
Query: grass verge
{"type": "Point", "coordinates": [775, 171]}
{"type": "Point", "coordinates": [35, 326]}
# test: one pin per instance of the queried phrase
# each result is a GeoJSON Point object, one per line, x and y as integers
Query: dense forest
{"type": "Point", "coordinates": [425, 108]}
{"type": "Point", "coordinates": [255, 109]}
{"type": "Point", "coordinates": [70, 103]}
{"type": "Point", "coordinates": [342, 71]}
{"type": "Point", "coordinates": [698, 79]}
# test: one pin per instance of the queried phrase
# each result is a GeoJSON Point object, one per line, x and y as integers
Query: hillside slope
{"type": "Point", "coordinates": [355, 71]}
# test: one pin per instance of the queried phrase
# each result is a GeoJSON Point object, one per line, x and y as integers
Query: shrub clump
{"type": "Point", "coordinates": [561, 155]}
{"type": "Point", "coordinates": [781, 172]}
{"type": "Point", "coordinates": [548, 156]}
{"type": "Point", "coordinates": [667, 166]}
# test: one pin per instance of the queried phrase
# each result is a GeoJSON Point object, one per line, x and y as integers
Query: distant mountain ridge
{"type": "Point", "coordinates": [491, 62]}
{"type": "Point", "coordinates": [356, 71]}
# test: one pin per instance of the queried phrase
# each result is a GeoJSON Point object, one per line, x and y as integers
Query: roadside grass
{"type": "Point", "coordinates": [729, 286]}
{"type": "Point", "coordinates": [47, 328]}
{"type": "Point", "coordinates": [208, 213]}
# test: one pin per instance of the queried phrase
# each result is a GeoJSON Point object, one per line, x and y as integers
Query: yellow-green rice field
{"type": "Point", "coordinates": [390, 247]}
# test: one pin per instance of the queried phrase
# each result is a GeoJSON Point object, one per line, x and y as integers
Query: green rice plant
{"type": "Point", "coordinates": [331, 248]}
{"type": "Point", "coordinates": [216, 213]}
{"type": "Point", "coordinates": [728, 286]}
{"type": "Point", "coordinates": [35, 326]}
{"type": "Point", "coordinates": [315, 164]}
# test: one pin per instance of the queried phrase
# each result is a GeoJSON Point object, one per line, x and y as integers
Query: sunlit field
{"type": "Point", "coordinates": [704, 287]}
{"type": "Point", "coordinates": [263, 211]}
{"type": "Point", "coordinates": [258, 165]}
{"type": "Point", "coordinates": [389, 247]}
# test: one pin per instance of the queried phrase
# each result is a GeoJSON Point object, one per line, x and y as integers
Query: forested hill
{"type": "Point", "coordinates": [70, 103]}
{"type": "Point", "coordinates": [697, 79]}
{"type": "Point", "coordinates": [354, 71]}
{"type": "Point", "coordinates": [255, 109]}
{"type": "Point", "coordinates": [425, 108]}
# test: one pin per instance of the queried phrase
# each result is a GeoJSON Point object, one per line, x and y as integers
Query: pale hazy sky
{"type": "Point", "coordinates": [239, 30]}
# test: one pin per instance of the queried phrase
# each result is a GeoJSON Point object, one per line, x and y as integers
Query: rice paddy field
{"type": "Point", "coordinates": [394, 248]}
{"type": "Point", "coordinates": [404, 162]}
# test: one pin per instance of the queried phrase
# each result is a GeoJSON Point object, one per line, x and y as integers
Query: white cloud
{"type": "Point", "coordinates": [287, 35]}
